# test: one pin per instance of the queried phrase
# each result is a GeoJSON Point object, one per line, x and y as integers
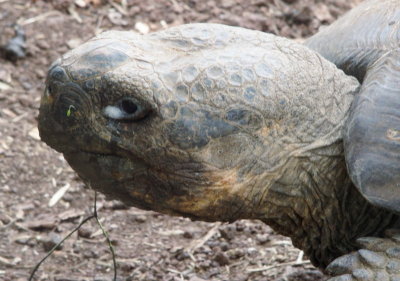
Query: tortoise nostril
{"type": "Point", "coordinates": [58, 73]}
{"type": "Point", "coordinates": [50, 90]}
{"type": "Point", "coordinates": [128, 106]}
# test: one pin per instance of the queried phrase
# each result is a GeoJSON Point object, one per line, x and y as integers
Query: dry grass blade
{"type": "Point", "coordinates": [58, 195]}
{"type": "Point", "coordinates": [265, 268]}
{"type": "Point", "coordinates": [5, 261]}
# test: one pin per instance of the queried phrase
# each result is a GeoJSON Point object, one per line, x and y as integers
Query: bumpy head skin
{"type": "Point", "coordinates": [366, 43]}
{"type": "Point", "coordinates": [199, 120]}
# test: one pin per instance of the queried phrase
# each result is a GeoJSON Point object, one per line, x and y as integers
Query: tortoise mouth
{"type": "Point", "coordinates": [97, 153]}
{"type": "Point", "coordinates": [104, 167]}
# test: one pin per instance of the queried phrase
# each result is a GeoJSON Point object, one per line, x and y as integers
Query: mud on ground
{"type": "Point", "coordinates": [149, 246]}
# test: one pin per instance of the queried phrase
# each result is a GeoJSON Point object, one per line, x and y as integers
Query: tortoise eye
{"type": "Point", "coordinates": [128, 106]}
{"type": "Point", "coordinates": [127, 109]}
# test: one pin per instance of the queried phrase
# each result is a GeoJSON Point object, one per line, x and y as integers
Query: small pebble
{"type": "Point", "coordinates": [182, 255]}
{"type": "Point", "coordinates": [187, 235]}
{"type": "Point", "coordinates": [196, 278]}
{"type": "Point", "coordinates": [235, 253]}
{"type": "Point", "coordinates": [240, 226]}
{"type": "Point", "coordinates": [227, 232]}
{"type": "Point", "coordinates": [252, 252]}
{"type": "Point", "coordinates": [26, 240]}
{"type": "Point", "coordinates": [262, 238]}
{"type": "Point", "coordinates": [42, 44]}
{"type": "Point", "coordinates": [221, 258]}
{"type": "Point", "coordinates": [224, 246]}
{"type": "Point", "coordinates": [140, 218]}
{"type": "Point", "coordinates": [205, 264]}
{"type": "Point", "coordinates": [90, 254]}
{"type": "Point", "coordinates": [85, 232]}
{"type": "Point", "coordinates": [50, 241]}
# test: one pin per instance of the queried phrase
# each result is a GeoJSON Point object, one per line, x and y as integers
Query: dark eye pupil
{"type": "Point", "coordinates": [128, 106]}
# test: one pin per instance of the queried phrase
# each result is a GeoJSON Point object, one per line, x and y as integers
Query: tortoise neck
{"type": "Point", "coordinates": [323, 212]}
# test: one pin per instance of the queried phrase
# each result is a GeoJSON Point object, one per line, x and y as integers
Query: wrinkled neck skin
{"type": "Point", "coordinates": [322, 211]}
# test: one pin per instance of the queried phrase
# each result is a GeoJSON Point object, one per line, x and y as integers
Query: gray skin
{"type": "Point", "coordinates": [365, 43]}
{"type": "Point", "coordinates": [221, 123]}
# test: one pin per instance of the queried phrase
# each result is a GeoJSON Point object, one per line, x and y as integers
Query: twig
{"type": "Point", "coordinates": [119, 8]}
{"type": "Point", "coordinates": [58, 195]}
{"type": "Point", "coordinates": [200, 242]}
{"type": "Point", "coordinates": [72, 11]}
{"type": "Point", "coordinates": [95, 216]}
{"type": "Point", "coordinates": [5, 261]}
{"type": "Point", "coordinates": [265, 268]}
{"type": "Point", "coordinates": [58, 244]}
{"type": "Point", "coordinates": [38, 18]}
{"type": "Point", "coordinates": [300, 256]}
{"type": "Point", "coordinates": [107, 237]}
{"type": "Point", "coordinates": [176, 272]}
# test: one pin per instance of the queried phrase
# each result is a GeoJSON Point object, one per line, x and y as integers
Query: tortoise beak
{"type": "Point", "coordinates": [61, 109]}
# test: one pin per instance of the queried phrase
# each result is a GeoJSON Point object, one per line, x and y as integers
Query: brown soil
{"type": "Point", "coordinates": [149, 246]}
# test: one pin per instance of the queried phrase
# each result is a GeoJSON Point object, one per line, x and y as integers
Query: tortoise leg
{"type": "Point", "coordinates": [377, 260]}
{"type": "Point", "coordinates": [372, 134]}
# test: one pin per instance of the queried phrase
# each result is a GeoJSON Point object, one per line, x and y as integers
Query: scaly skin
{"type": "Point", "coordinates": [365, 43]}
{"type": "Point", "coordinates": [213, 123]}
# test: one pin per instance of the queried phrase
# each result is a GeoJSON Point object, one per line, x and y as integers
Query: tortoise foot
{"type": "Point", "coordinates": [377, 260]}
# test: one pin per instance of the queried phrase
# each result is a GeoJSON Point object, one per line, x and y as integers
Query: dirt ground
{"type": "Point", "coordinates": [148, 246]}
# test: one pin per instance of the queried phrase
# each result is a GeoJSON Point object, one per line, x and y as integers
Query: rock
{"type": "Point", "coordinates": [15, 48]}
{"type": "Point", "coordinates": [85, 232]}
{"type": "Point", "coordinates": [228, 3]}
{"type": "Point", "coordinates": [251, 252]}
{"type": "Point", "coordinates": [224, 246]}
{"type": "Point", "coordinates": [5, 76]}
{"type": "Point", "coordinates": [240, 226]}
{"type": "Point", "coordinates": [142, 27]}
{"type": "Point", "coordinates": [187, 235]}
{"type": "Point", "coordinates": [73, 43]}
{"type": "Point", "coordinates": [51, 241]}
{"type": "Point", "coordinates": [205, 264]}
{"type": "Point", "coordinates": [182, 255]}
{"type": "Point", "coordinates": [70, 214]}
{"type": "Point", "coordinates": [43, 44]}
{"type": "Point", "coordinates": [303, 16]}
{"type": "Point", "coordinates": [140, 218]}
{"type": "Point", "coordinates": [196, 278]}
{"type": "Point", "coordinates": [41, 224]}
{"type": "Point", "coordinates": [221, 258]}
{"type": "Point", "coordinates": [235, 253]}
{"type": "Point", "coordinates": [262, 238]}
{"type": "Point", "coordinates": [115, 205]}
{"type": "Point", "coordinates": [25, 240]}
{"type": "Point", "coordinates": [227, 232]}
{"type": "Point", "coordinates": [90, 254]}
{"type": "Point", "coordinates": [5, 219]}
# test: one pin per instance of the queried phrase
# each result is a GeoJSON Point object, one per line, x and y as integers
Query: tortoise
{"type": "Point", "coordinates": [221, 123]}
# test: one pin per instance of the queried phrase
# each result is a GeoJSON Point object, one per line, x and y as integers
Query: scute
{"type": "Point", "coordinates": [96, 63]}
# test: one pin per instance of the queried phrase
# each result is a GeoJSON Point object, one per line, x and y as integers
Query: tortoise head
{"type": "Point", "coordinates": [191, 121]}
